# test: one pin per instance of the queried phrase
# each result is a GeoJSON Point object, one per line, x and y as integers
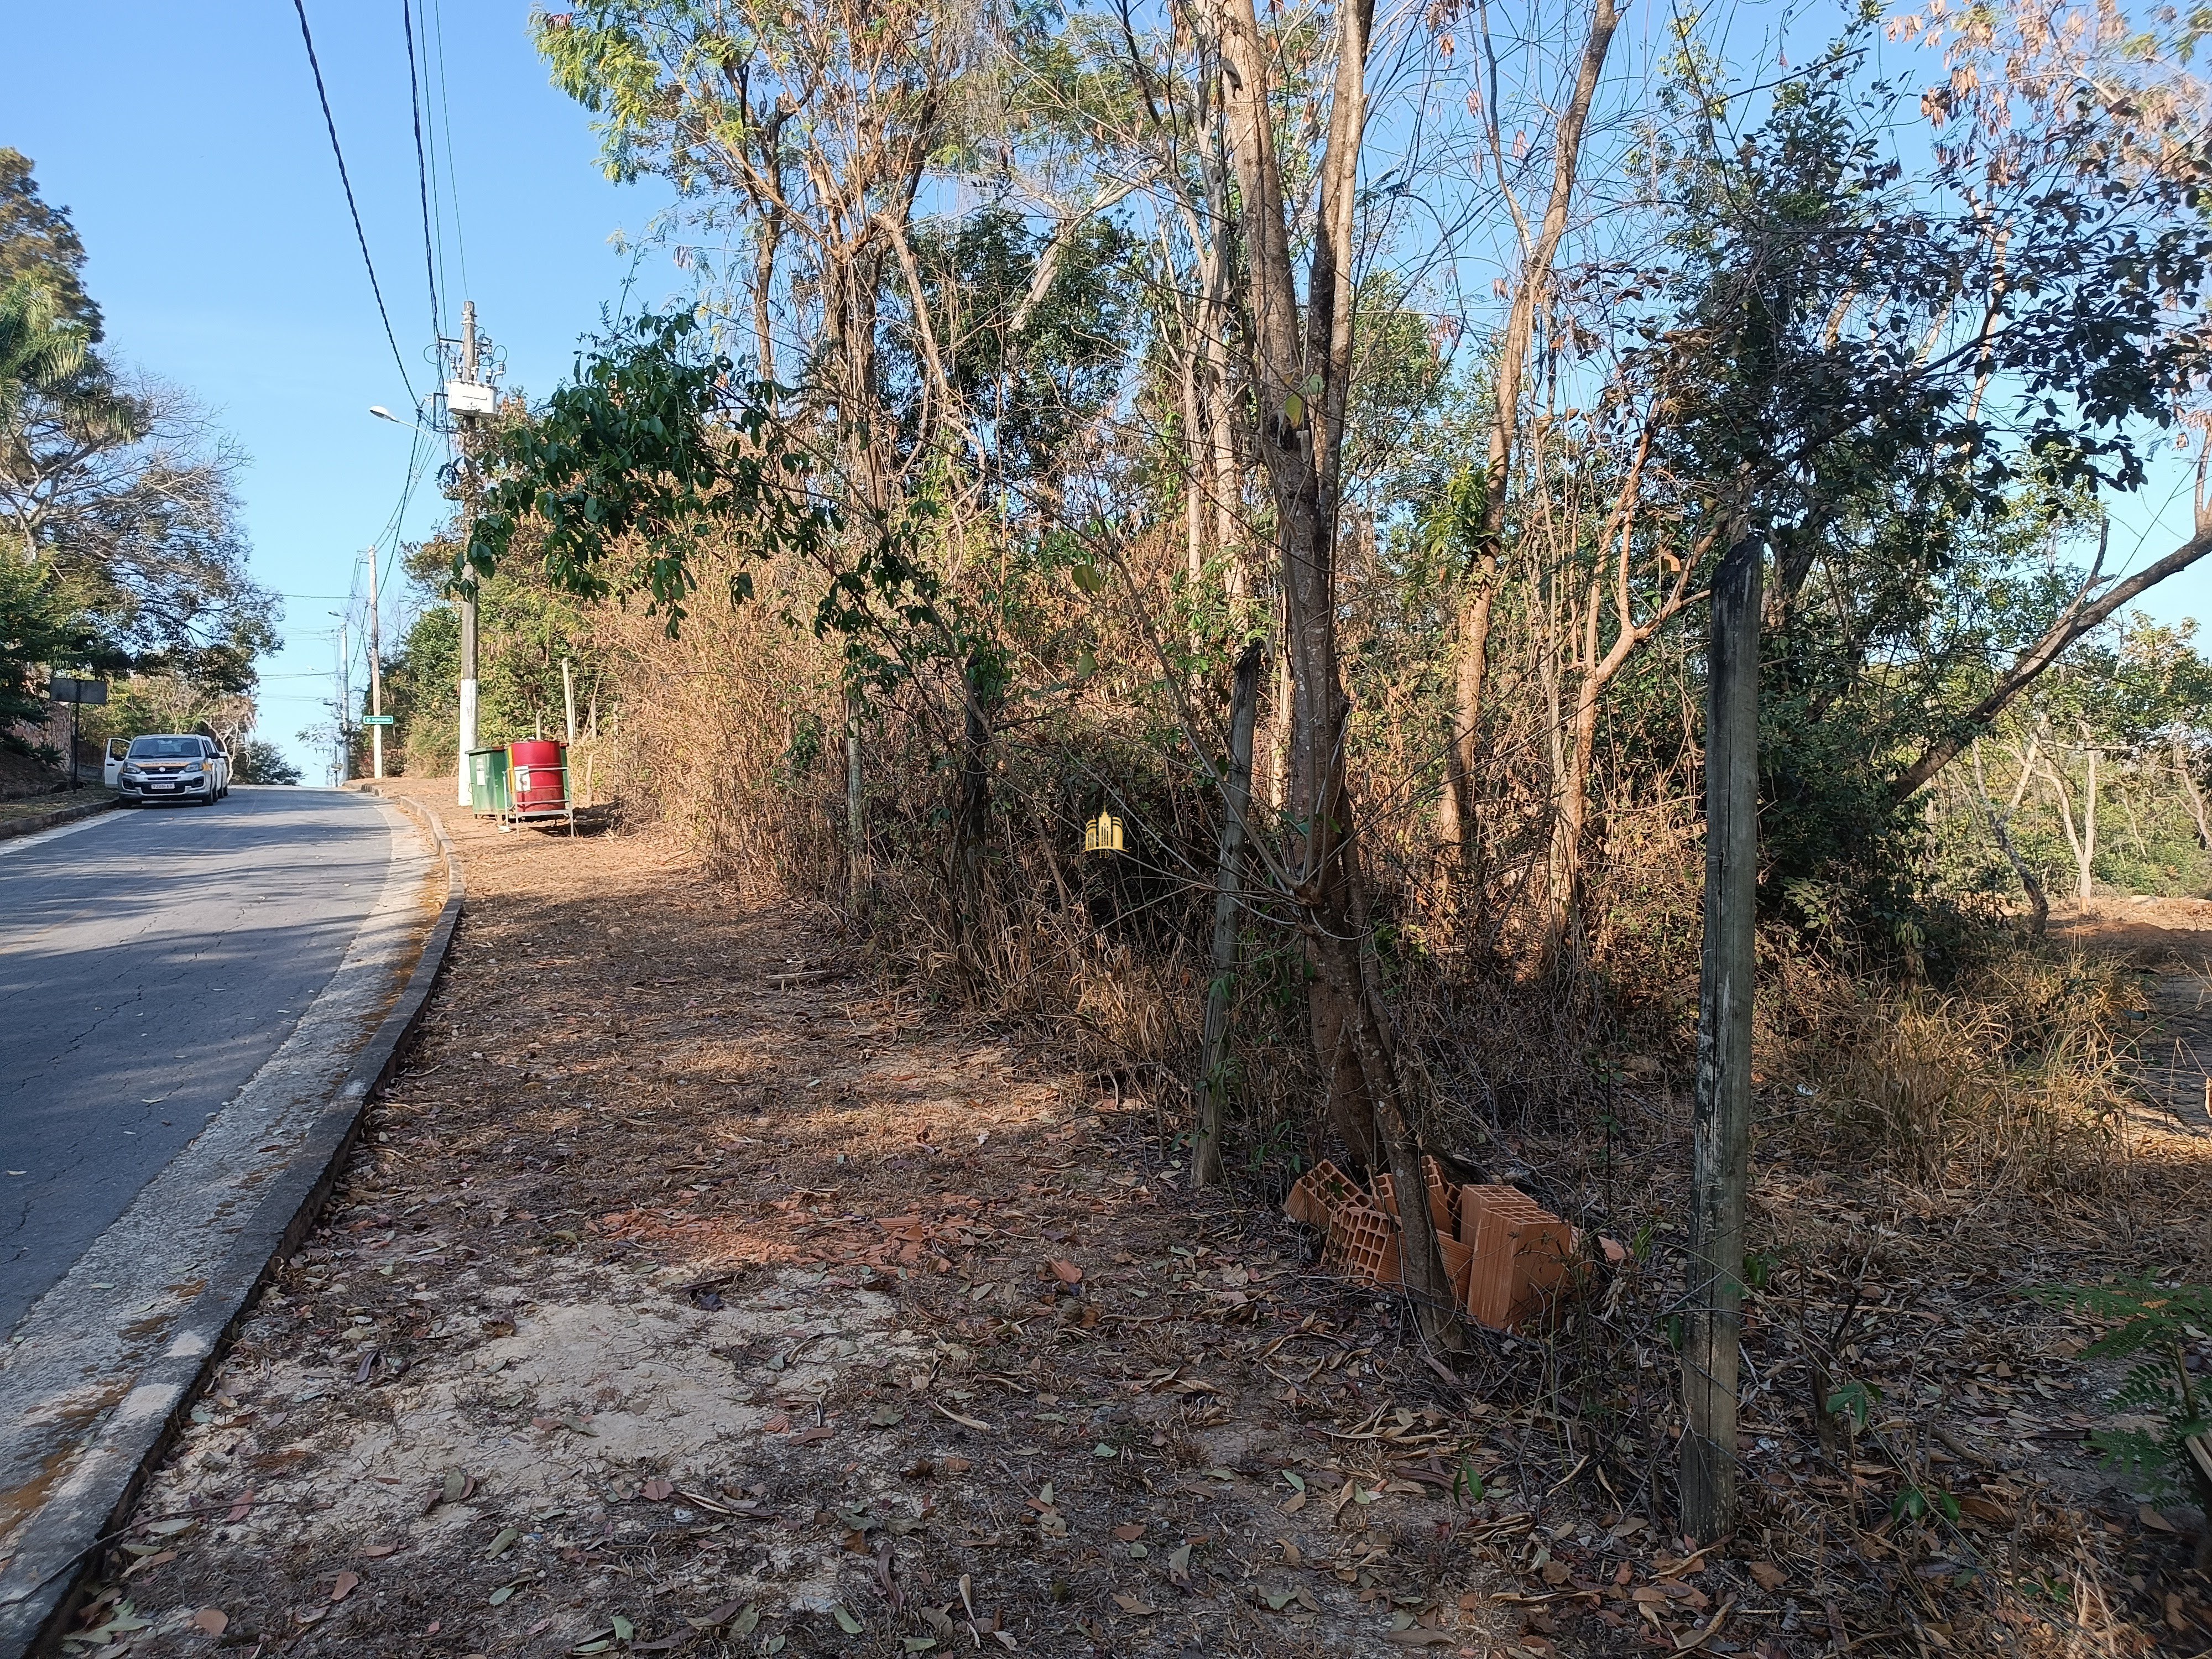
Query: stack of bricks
{"type": "Point", "coordinates": [1441, 1216]}
{"type": "Point", "coordinates": [1442, 1208]}
{"type": "Point", "coordinates": [1321, 1192]}
{"type": "Point", "coordinates": [1522, 1255]}
{"type": "Point", "coordinates": [1506, 1257]}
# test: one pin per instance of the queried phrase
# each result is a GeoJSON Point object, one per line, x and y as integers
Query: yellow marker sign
{"type": "Point", "coordinates": [1103, 834]}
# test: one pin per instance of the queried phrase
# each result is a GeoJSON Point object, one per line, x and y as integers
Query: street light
{"type": "Point", "coordinates": [384, 414]}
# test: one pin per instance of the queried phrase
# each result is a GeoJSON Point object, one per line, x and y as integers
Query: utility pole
{"type": "Point", "coordinates": [375, 672]}
{"type": "Point", "coordinates": [345, 704]}
{"type": "Point", "coordinates": [468, 687]}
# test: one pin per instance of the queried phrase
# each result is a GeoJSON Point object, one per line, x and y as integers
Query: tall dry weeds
{"type": "Point", "coordinates": [729, 736]}
{"type": "Point", "coordinates": [2012, 1077]}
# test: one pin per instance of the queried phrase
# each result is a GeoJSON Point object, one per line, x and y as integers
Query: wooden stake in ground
{"type": "Point", "coordinates": [1235, 799]}
{"type": "Point", "coordinates": [1720, 1165]}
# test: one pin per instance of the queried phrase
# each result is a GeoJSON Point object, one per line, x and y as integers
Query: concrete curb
{"type": "Point", "coordinates": [96, 1501]}
{"type": "Point", "coordinates": [11, 828]}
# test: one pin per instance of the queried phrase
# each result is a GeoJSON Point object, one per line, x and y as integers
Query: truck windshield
{"type": "Point", "coordinates": [165, 749]}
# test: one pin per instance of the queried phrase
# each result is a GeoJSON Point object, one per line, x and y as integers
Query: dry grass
{"type": "Point", "coordinates": [2013, 1076]}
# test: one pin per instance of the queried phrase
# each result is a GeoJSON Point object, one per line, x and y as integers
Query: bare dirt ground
{"type": "Point", "coordinates": [2170, 939]}
{"type": "Point", "coordinates": [2159, 931]}
{"type": "Point", "coordinates": [695, 1291]}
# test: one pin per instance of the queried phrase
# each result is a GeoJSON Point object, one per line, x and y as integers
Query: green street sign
{"type": "Point", "coordinates": [376, 720]}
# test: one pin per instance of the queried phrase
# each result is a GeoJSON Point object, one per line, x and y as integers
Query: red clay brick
{"type": "Point", "coordinates": [1473, 1199]}
{"type": "Point", "coordinates": [1319, 1194]}
{"type": "Point", "coordinates": [1520, 1255]}
{"type": "Point", "coordinates": [1385, 1191]}
{"type": "Point", "coordinates": [1440, 1196]}
{"type": "Point", "coordinates": [1363, 1243]}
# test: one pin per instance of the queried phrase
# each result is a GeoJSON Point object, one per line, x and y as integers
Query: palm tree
{"type": "Point", "coordinates": [55, 395]}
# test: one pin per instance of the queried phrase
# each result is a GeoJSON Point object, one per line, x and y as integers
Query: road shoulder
{"type": "Point", "coordinates": [18, 819]}
{"type": "Point", "coordinates": [98, 1374]}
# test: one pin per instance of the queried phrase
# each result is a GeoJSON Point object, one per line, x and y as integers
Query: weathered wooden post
{"type": "Point", "coordinates": [1720, 1166]}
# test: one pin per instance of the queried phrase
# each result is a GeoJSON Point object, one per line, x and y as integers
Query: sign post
{"type": "Point", "coordinates": [69, 688]}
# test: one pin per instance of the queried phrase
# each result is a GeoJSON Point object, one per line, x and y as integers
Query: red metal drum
{"type": "Point", "coordinates": [538, 774]}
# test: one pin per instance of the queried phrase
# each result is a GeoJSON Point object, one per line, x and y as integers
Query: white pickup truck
{"type": "Point", "coordinates": [174, 767]}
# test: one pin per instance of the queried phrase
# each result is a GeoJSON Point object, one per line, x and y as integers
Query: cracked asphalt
{"type": "Point", "coordinates": [151, 960]}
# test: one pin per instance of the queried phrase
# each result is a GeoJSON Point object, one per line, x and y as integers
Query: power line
{"type": "Point", "coordinates": [352, 207]}
{"type": "Point", "coordinates": [422, 170]}
{"type": "Point", "coordinates": [437, 18]}
{"type": "Point", "coordinates": [418, 457]}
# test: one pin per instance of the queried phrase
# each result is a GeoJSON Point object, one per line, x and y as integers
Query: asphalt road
{"type": "Point", "coordinates": [151, 960]}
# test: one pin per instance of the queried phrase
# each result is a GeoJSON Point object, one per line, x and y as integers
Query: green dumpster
{"type": "Point", "coordinates": [488, 796]}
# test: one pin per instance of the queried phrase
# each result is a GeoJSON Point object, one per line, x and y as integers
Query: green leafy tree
{"type": "Point", "coordinates": [119, 495]}
{"type": "Point", "coordinates": [257, 760]}
{"type": "Point", "coordinates": [37, 630]}
{"type": "Point", "coordinates": [38, 243]}
{"type": "Point", "coordinates": [1031, 371]}
{"type": "Point", "coordinates": [617, 474]}
{"type": "Point", "coordinates": [1911, 458]}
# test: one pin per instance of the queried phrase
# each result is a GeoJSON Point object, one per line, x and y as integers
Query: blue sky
{"type": "Point", "coordinates": [191, 152]}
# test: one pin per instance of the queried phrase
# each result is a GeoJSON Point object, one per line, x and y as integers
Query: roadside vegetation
{"type": "Point", "coordinates": [125, 559]}
{"type": "Point", "coordinates": [1037, 372]}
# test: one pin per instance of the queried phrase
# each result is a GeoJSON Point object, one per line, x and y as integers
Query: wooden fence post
{"type": "Point", "coordinates": [1720, 1166]}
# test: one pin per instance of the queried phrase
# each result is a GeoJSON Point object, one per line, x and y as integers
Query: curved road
{"type": "Point", "coordinates": [151, 960]}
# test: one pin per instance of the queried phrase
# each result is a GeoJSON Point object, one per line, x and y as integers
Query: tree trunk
{"type": "Point", "coordinates": [2065, 797]}
{"type": "Point", "coordinates": [1570, 821]}
{"type": "Point", "coordinates": [1300, 440]}
{"type": "Point", "coordinates": [1295, 430]}
{"type": "Point", "coordinates": [2189, 788]}
{"type": "Point", "coordinates": [856, 822]}
{"type": "Point", "coordinates": [1228, 493]}
{"type": "Point", "coordinates": [1194, 493]}
{"type": "Point", "coordinates": [972, 803]}
{"type": "Point", "coordinates": [2089, 832]}
{"type": "Point", "coordinates": [1278, 735]}
{"type": "Point", "coordinates": [848, 311]}
{"type": "Point", "coordinates": [2134, 823]}
{"type": "Point", "coordinates": [2038, 902]}
{"type": "Point", "coordinates": [1720, 1132]}
{"type": "Point", "coordinates": [1206, 1157]}
{"type": "Point", "coordinates": [2078, 617]}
